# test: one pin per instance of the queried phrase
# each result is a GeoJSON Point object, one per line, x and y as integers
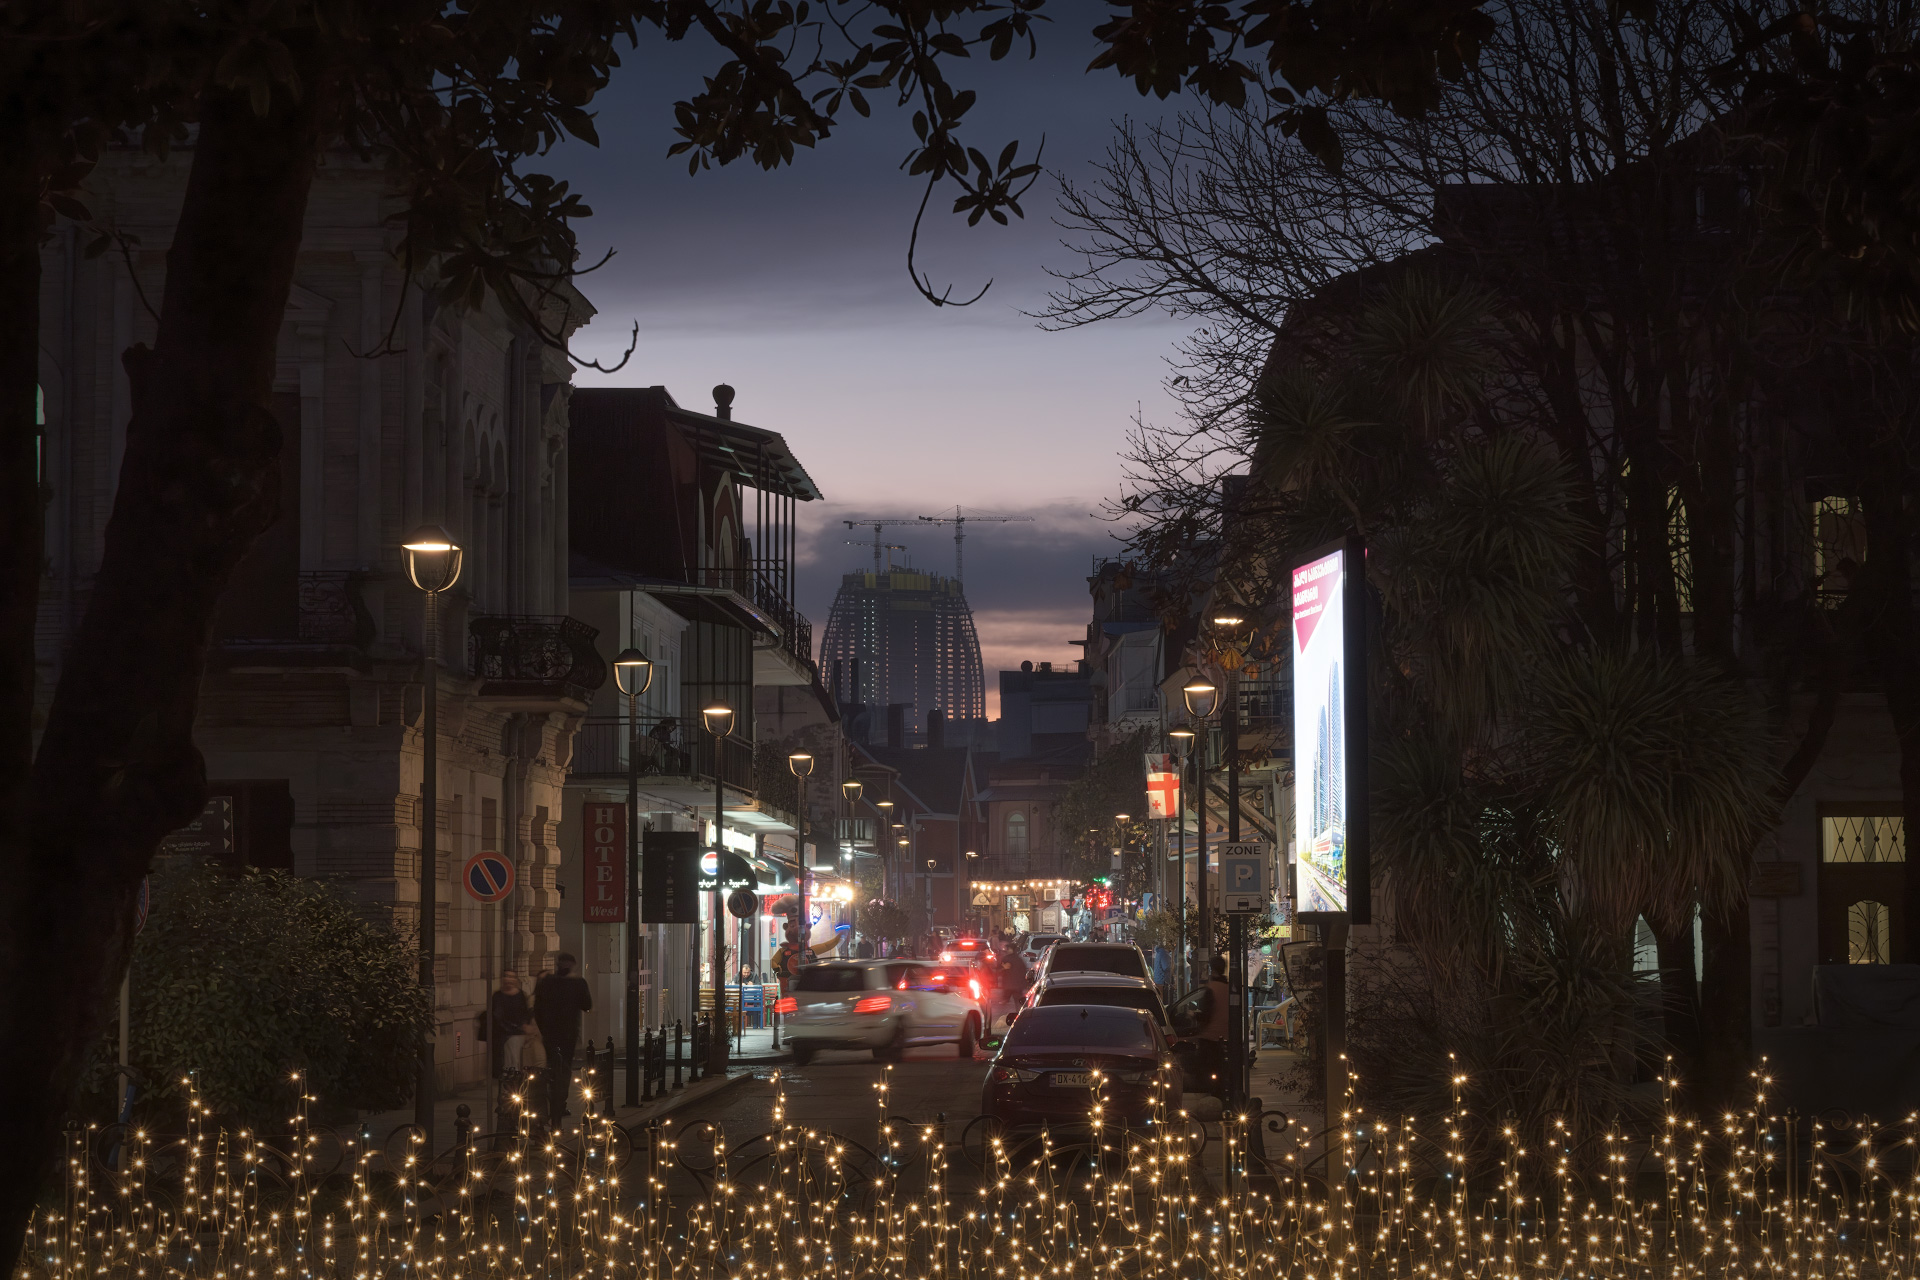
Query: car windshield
{"type": "Point", "coordinates": [1079, 1027]}
{"type": "Point", "coordinates": [830, 977]}
{"type": "Point", "coordinates": [1114, 997]}
{"type": "Point", "coordinates": [1097, 959]}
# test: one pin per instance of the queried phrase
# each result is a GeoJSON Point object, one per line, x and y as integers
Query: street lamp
{"type": "Point", "coordinates": [851, 789]}
{"type": "Point", "coordinates": [633, 676]}
{"type": "Point", "coordinates": [800, 764]}
{"type": "Point", "coordinates": [1202, 698]}
{"type": "Point", "coordinates": [718, 719]}
{"type": "Point", "coordinates": [1227, 622]}
{"type": "Point", "coordinates": [1180, 743]}
{"type": "Point", "coordinates": [433, 563]}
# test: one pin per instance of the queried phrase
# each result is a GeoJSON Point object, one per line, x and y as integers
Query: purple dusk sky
{"type": "Point", "coordinates": [792, 287]}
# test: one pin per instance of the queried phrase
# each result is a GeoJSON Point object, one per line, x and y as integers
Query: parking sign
{"type": "Point", "coordinates": [1243, 878]}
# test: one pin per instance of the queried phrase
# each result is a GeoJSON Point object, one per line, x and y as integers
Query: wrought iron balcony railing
{"type": "Point", "coordinates": [537, 656]}
{"type": "Point", "coordinates": [665, 749]}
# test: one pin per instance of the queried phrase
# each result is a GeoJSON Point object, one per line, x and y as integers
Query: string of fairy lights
{"type": "Point", "coordinates": [1740, 1197]}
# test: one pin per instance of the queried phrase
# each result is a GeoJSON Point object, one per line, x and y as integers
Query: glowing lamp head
{"type": "Point", "coordinates": [801, 763]}
{"type": "Point", "coordinates": [1201, 698]}
{"type": "Point", "coordinates": [433, 558]}
{"type": "Point", "coordinates": [718, 719]}
{"type": "Point", "coordinates": [633, 672]}
{"type": "Point", "coordinates": [851, 789]}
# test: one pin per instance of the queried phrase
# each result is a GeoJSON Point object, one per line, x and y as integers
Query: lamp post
{"type": "Point", "coordinates": [885, 806]}
{"type": "Point", "coordinates": [633, 674]}
{"type": "Point", "coordinates": [800, 764]}
{"type": "Point", "coordinates": [718, 720]}
{"type": "Point", "coordinates": [1201, 698]}
{"type": "Point", "coordinates": [965, 893]}
{"type": "Point", "coordinates": [1181, 744]}
{"type": "Point", "coordinates": [1226, 625]}
{"type": "Point", "coordinates": [851, 789]}
{"type": "Point", "coordinates": [433, 563]}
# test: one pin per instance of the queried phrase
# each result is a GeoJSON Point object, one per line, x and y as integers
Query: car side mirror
{"type": "Point", "coordinates": [1011, 1015]}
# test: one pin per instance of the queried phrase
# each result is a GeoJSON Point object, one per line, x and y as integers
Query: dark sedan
{"type": "Point", "coordinates": [1058, 1060]}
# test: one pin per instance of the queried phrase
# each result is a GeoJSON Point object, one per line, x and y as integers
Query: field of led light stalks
{"type": "Point", "coordinates": [1456, 1195]}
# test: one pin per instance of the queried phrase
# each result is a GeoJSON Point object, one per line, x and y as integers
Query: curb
{"type": "Point", "coordinates": [698, 1091]}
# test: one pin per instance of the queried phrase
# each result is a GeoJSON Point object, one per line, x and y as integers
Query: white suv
{"type": "Point", "coordinates": [882, 1005]}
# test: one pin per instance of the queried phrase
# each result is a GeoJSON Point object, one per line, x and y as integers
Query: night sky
{"type": "Point", "coordinates": [792, 287]}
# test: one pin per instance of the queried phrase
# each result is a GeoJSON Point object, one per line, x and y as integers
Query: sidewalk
{"type": "Point", "coordinates": [380, 1126]}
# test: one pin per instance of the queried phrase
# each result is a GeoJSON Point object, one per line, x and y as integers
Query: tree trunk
{"type": "Point", "coordinates": [1726, 1008]}
{"type": "Point", "coordinates": [21, 532]}
{"type": "Point", "coordinates": [117, 766]}
{"type": "Point", "coordinates": [1893, 636]}
{"type": "Point", "coordinates": [21, 509]}
{"type": "Point", "coordinates": [1679, 998]}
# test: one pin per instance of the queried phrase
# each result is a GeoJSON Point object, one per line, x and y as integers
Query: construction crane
{"type": "Point", "coordinates": [877, 545]}
{"type": "Point", "coordinates": [959, 520]}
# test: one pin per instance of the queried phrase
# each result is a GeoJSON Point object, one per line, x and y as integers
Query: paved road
{"type": "Point", "coordinates": [839, 1091]}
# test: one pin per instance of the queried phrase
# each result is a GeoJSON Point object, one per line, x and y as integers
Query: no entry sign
{"type": "Point", "coordinates": [488, 877]}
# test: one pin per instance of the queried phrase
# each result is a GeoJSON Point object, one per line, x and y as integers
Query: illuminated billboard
{"type": "Point", "coordinates": [1329, 733]}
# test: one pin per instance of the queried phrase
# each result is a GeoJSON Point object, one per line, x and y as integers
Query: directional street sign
{"type": "Point", "coordinates": [488, 877]}
{"type": "Point", "coordinates": [1244, 887]}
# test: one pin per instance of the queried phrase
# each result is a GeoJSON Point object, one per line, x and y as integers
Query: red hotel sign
{"type": "Point", "coordinates": [605, 899]}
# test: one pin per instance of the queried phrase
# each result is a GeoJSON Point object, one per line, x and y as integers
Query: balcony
{"type": "Point", "coordinates": [666, 756]}
{"type": "Point", "coordinates": [547, 657]}
{"type": "Point", "coordinates": [794, 643]}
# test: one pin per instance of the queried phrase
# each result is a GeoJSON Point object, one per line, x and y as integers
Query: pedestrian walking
{"type": "Point", "coordinates": [1212, 1035]}
{"type": "Point", "coordinates": [788, 959]}
{"type": "Point", "coordinates": [511, 1013]}
{"type": "Point", "coordinates": [559, 998]}
{"type": "Point", "coordinates": [1162, 968]}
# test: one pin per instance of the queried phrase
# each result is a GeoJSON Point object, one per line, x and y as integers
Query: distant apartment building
{"type": "Point", "coordinates": [900, 644]}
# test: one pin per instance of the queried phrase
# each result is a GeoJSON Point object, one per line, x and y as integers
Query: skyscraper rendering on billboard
{"type": "Point", "coordinates": [1328, 734]}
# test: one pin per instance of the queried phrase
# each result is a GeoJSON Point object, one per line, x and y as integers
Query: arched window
{"type": "Point", "coordinates": [1017, 834]}
{"type": "Point", "coordinates": [1869, 933]}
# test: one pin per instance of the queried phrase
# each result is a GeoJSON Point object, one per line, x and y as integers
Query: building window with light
{"type": "Point", "coordinates": [1862, 883]}
{"type": "Point", "coordinates": [1016, 834]}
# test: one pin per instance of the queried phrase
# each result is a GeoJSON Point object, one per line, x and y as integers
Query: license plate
{"type": "Point", "coordinates": [1071, 1079]}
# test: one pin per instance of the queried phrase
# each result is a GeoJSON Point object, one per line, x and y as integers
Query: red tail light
{"type": "Point", "coordinates": [785, 1004]}
{"type": "Point", "coordinates": [873, 1004]}
{"type": "Point", "coordinates": [975, 984]}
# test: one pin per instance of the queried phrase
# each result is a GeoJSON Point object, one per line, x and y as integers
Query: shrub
{"type": "Point", "coordinates": [243, 978]}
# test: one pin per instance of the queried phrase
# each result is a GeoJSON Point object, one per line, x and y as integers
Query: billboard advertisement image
{"type": "Point", "coordinates": [1329, 746]}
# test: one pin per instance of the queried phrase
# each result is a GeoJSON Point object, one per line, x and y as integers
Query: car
{"type": "Point", "coordinates": [1104, 989]}
{"type": "Point", "coordinates": [881, 1005]}
{"type": "Point", "coordinates": [1121, 993]}
{"type": "Point", "coordinates": [1058, 1059]}
{"type": "Point", "coordinates": [1036, 946]}
{"type": "Point", "coordinates": [1122, 958]}
{"type": "Point", "coordinates": [966, 951]}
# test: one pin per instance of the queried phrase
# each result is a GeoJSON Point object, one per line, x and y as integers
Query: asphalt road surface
{"type": "Point", "coordinates": [839, 1091]}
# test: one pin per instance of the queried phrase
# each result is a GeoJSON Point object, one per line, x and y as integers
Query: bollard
{"type": "Point", "coordinates": [678, 1045]}
{"type": "Point", "coordinates": [646, 1065]}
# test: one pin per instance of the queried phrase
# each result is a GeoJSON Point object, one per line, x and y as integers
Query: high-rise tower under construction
{"type": "Point", "coordinates": [904, 638]}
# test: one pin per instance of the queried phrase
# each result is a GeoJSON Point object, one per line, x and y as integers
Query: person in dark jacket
{"type": "Point", "coordinates": [559, 999]}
